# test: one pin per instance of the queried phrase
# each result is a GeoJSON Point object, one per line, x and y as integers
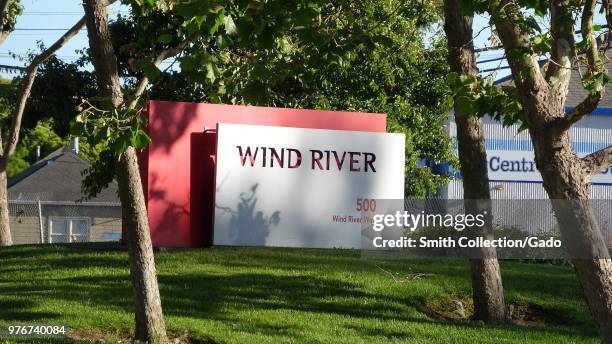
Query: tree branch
{"type": "Point", "coordinates": [598, 161]}
{"type": "Point", "coordinates": [586, 26]}
{"type": "Point", "coordinates": [506, 17]}
{"type": "Point", "coordinates": [563, 47]}
{"type": "Point", "coordinates": [26, 88]}
{"type": "Point", "coordinates": [526, 73]}
{"type": "Point", "coordinates": [584, 108]}
{"type": "Point", "coordinates": [142, 84]}
{"type": "Point", "coordinates": [595, 65]}
{"type": "Point", "coordinates": [607, 7]}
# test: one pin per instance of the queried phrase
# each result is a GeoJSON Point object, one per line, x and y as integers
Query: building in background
{"type": "Point", "coordinates": [510, 158]}
{"type": "Point", "coordinates": [45, 208]}
{"type": "Point", "coordinates": [512, 172]}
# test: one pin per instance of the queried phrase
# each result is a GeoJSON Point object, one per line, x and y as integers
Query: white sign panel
{"type": "Point", "coordinates": [520, 166]}
{"type": "Point", "coordinates": [295, 187]}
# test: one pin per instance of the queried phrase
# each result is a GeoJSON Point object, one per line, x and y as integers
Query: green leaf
{"type": "Point", "coordinates": [540, 7]}
{"type": "Point", "coordinates": [469, 7]}
{"type": "Point", "coordinates": [140, 139]}
{"type": "Point", "coordinates": [230, 26]}
{"type": "Point", "coordinates": [223, 42]}
{"type": "Point", "coordinates": [215, 99]}
{"type": "Point", "coordinates": [527, 73]}
{"type": "Point", "coordinates": [98, 134]}
{"type": "Point", "coordinates": [463, 106]}
{"type": "Point", "coordinates": [266, 38]}
{"type": "Point", "coordinates": [595, 82]}
{"type": "Point", "coordinates": [517, 54]}
{"type": "Point", "coordinates": [151, 71]}
{"type": "Point", "coordinates": [148, 68]}
{"type": "Point", "coordinates": [188, 9]}
{"type": "Point", "coordinates": [142, 121]}
{"type": "Point", "coordinates": [541, 44]}
{"type": "Point", "coordinates": [531, 24]}
{"type": "Point", "coordinates": [189, 63]}
{"type": "Point", "coordinates": [121, 144]}
{"type": "Point", "coordinates": [219, 20]}
{"type": "Point", "coordinates": [77, 128]}
{"type": "Point", "coordinates": [384, 40]}
{"type": "Point", "coordinates": [305, 16]}
{"type": "Point", "coordinates": [164, 38]}
{"type": "Point", "coordinates": [210, 72]}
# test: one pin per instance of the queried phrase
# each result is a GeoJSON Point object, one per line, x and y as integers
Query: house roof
{"type": "Point", "coordinates": [57, 177]}
{"type": "Point", "coordinates": [576, 92]}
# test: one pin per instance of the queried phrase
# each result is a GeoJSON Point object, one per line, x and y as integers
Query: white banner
{"type": "Point", "coordinates": [295, 187]}
{"type": "Point", "coordinates": [520, 166]}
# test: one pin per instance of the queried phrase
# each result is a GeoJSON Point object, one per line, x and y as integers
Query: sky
{"type": "Point", "coordinates": [482, 33]}
{"type": "Point", "coordinates": [46, 21]}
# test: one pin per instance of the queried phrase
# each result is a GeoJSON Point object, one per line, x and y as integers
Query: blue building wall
{"type": "Point", "coordinates": [590, 134]}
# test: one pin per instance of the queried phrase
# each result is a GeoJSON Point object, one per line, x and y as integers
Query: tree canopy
{"type": "Point", "coordinates": [58, 90]}
{"type": "Point", "coordinates": [365, 56]}
{"type": "Point", "coordinates": [360, 56]}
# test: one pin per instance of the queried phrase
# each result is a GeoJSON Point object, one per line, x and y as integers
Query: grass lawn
{"type": "Point", "coordinates": [263, 295]}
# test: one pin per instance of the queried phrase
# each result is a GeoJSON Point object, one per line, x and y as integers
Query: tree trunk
{"type": "Point", "coordinates": [566, 177]}
{"type": "Point", "coordinates": [568, 188]}
{"type": "Point", "coordinates": [102, 51]}
{"type": "Point", "coordinates": [150, 326]}
{"type": "Point", "coordinates": [149, 318]}
{"type": "Point", "coordinates": [5, 231]}
{"type": "Point", "coordinates": [595, 276]}
{"type": "Point", "coordinates": [487, 289]}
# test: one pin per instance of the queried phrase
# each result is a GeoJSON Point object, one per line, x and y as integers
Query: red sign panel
{"type": "Point", "coordinates": [178, 167]}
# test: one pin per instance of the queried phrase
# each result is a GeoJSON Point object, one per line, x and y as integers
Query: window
{"type": "Point", "coordinates": [69, 229]}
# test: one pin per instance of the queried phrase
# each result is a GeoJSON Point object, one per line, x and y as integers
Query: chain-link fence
{"type": "Point", "coordinates": [34, 222]}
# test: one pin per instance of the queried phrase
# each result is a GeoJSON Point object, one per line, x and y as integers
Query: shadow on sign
{"type": "Point", "coordinates": [249, 226]}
